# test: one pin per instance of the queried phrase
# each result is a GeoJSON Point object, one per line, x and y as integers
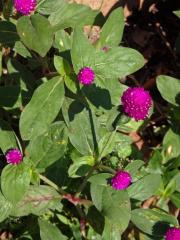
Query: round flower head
{"type": "Point", "coordinates": [173, 234]}
{"type": "Point", "coordinates": [86, 76]}
{"type": "Point", "coordinates": [136, 102]}
{"type": "Point", "coordinates": [14, 156]}
{"type": "Point", "coordinates": [25, 6]}
{"type": "Point", "coordinates": [121, 180]}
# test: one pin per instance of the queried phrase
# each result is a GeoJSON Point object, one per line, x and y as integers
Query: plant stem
{"type": "Point", "coordinates": [106, 168]}
{"type": "Point", "coordinates": [50, 183]}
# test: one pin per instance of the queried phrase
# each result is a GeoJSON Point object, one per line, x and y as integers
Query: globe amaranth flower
{"type": "Point", "coordinates": [86, 76]}
{"type": "Point", "coordinates": [173, 234]}
{"type": "Point", "coordinates": [14, 156]}
{"type": "Point", "coordinates": [136, 102]}
{"type": "Point", "coordinates": [25, 6]}
{"type": "Point", "coordinates": [121, 180]}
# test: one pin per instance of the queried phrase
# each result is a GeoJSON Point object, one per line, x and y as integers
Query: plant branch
{"type": "Point", "coordinates": [106, 168]}
{"type": "Point", "coordinates": [52, 184]}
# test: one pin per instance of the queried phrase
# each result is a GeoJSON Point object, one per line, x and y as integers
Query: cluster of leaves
{"type": "Point", "coordinates": [75, 137]}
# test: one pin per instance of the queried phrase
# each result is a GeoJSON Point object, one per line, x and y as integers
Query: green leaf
{"type": "Point", "coordinates": [175, 198]}
{"type": "Point", "coordinates": [8, 34]}
{"type": "Point", "coordinates": [82, 53]}
{"type": "Point", "coordinates": [113, 204]}
{"type": "Point", "coordinates": [134, 168]}
{"type": "Point", "coordinates": [38, 200]}
{"type": "Point", "coordinates": [155, 163]}
{"type": "Point", "coordinates": [171, 143]}
{"type": "Point", "coordinates": [169, 88]}
{"type": "Point", "coordinates": [117, 62]}
{"type": "Point", "coordinates": [42, 109]}
{"type": "Point", "coordinates": [5, 208]}
{"type": "Point", "coordinates": [11, 97]}
{"type": "Point", "coordinates": [71, 15]}
{"type": "Point", "coordinates": [176, 178]}
{"type": "Point", "coordinates": [116, 90]}
{"type": "Point", "coordinates": [15, 181]}
{"type": "Point", "coordinates": [111, 231]}
{"type": "Point", "coordinates": [113, 141]}
{"type": "Point", "coordinates": [83, 132]}
{"type": "Point", "coordinates": [36, 33]}
{"type": "Point", "coordinates": [98, 182]}
{"type": "Point", "coordinates": [95, 219]}
{"type": "Point", "coordinates": [70, 109]}
{"type": "Point", "coordinates": [61, 65]}
{"type": "Point", "coordinates": [47, 148]}
{"type": "Point", "coordinates": [170, 188]}
{"type": "Point", "coordinates": [177, 13]}
{"type": "Point", "coordinates": [70, 82]}
{"type": "Point", "coordinates": [21, 49]}
{"type": "Point", "coordinates": [99, 97]}
{"type": "Point", "coordinates": [80, 167]}
{"type": "Point", "coordinates": [106, 144]}
{"type": "Point", "coordinates": [145, 187]}
{"type": "Point", "coordinates": [112, 30]}
{"type": "Point", "coordinates": [7, 137]}
{"type": "Point", "coordinates": [63, 40]}
{"type": "Point", "coordinates": [48, 6]}
{"type": "Point", "coordinates": [152, 221]}
{"type": "Point", "coordinates": [49, 231]}
{"type": "Point", "coordinates": [20, 74]}
{"type": "Point", "coordinates": [115, 118]}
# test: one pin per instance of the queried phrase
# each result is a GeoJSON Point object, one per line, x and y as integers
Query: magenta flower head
{"type": "Point", "coordinates": [173, 234]}
{"type": "Point", "coordinates": [25, 6]}
{"type": "Point", "coordinates": [86, 76]}
{"type": "Point", "coordinates": [121, 180]}
{"type": "Point", "coordinates": [14, 156]}
{"type": "Point", "coordinates": [136, 102]}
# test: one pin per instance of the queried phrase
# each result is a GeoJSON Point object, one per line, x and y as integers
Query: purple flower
{"type": "Point", "coordinates": [25, 6]}
{"type": "Point", "coordinates": [86, 76]}
{"type": "Point", "coordinates": [173, 234]}
{"type": "Point", "coordinates": [121, 180]}
{"type": "Point", "coordinates": [14, 156]}
{"type": "Point", "coordinates": [136, 102]}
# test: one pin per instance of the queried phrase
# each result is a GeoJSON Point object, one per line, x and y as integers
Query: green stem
{"type": "Point", "coordinates": [50, 183]}
{"type": "Point", "coordinates": [106, 168]}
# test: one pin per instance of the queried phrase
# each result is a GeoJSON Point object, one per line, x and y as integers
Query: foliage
{"type": "Point", "coordinates": [75, 137]}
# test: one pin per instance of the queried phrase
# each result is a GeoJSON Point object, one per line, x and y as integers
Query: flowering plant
{"type": "Point", "coordinates": [69, 166]}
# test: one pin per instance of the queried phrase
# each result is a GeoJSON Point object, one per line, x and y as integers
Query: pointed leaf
{"type": "Point", "coordinates": [82, 52]}
{"type": "Point", "coordinates": [42, 109]}
{"type": "Point", "coordinates": [112, 30]}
